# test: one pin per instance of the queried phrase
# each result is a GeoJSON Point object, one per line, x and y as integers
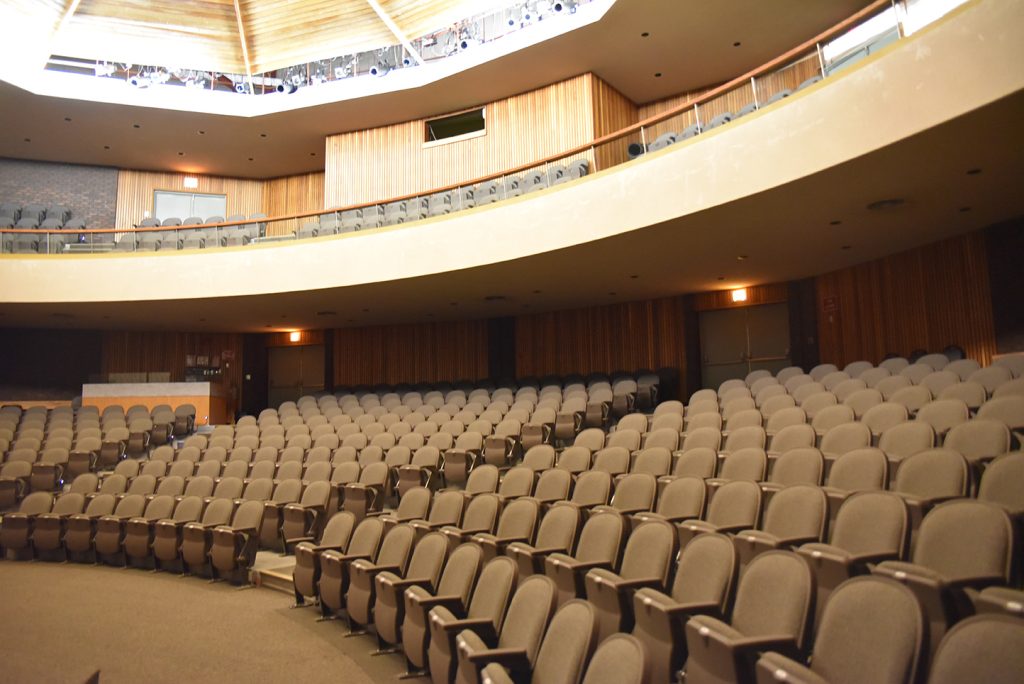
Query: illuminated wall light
{"type": "Point", "coordinates": [739, 295]}
{"type": "Point", "coordinates": [191, 182]}
{"type": "Point", "coordinates": [295, 336]}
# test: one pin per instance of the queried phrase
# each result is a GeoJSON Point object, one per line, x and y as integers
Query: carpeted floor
{"type": "Point", "coordinates": [62, 622]}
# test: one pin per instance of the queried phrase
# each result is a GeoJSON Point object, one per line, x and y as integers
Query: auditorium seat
{"type": "Point", "coordinates": [139, 531]}
{"type": "Point", "coordinates": [930, 477]}
{"type": "Point", "coordinates": [364, 544]}
{"type": "Point", "coordinates": [108, 537]}
{"type": "Point", "coordinates": [797, 514]}
{"type": "Point", "coordinates": [735, 506]}
{"type": "Point", "coordinates": [485, 614]}
{"type": "Point", "coordinates": [599, 546]}
{"type": "Point", "coordinates": [48, 528]}
{"type": "Point", "coordinates": [870, 527]}
{"type": "Point", "coordinates": [872, 630]}
{"type": "Point", "coordinates": [454, 589]}
{"type": "Point", "coordinates": [233, 547]}
{"type": "Point", "coordinates": [984, 648]}
{"type": "Point", "coordinates": [1000, 484]}
{"type": "Point", "coordinates": [773, 609]}
{"type": "Point", "coordinates": [705, 579]}
{"type": "Point", "coordinates": [16, 530]}
{"type": "Point", "coordinates": [393, 556]}
{"type": "Point", "coordinates": [961, 545]}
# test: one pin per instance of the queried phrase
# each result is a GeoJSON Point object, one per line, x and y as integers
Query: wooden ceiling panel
{"type": "Point", "coordinates": [283, 33]}
{"type": "Point", "coordinates": [197, 34]}
{"type": "Point", "coordinates": [419, 17]}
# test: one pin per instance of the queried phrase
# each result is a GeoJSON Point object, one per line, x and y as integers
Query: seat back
{"type": "Point", "coordinates": [683, 497]}
{"type": "Point", "coordinates": [872, 629]}
{"type": "Point", "coordinates": [650, 550]}
{"type": "Point", "coordinates": [593, 487]}
{"type": "Point", "coordinates": [568, 644]}
{"type": "Point", "coordinates": [493, 591]}
{"type": "Point", "coordinates": [1001, 483]}
{"type": "Point", "coordinates": [775, 597]}
{"type": "Point", "coordinates": [967, 541]}
{"type": "Point", "coordinates": [558, 528]}
{"type": "Point", "coordinates": [798, 511]}
{"type": "Point", "coordinates": [749, 463]}
{"type": "Point", "coordinates": [620, 659]}
{"type": "Point", "coordinates": [860, 469]}
{"type": "Point", "coordinates": [735, 503]}
{"type": "Point", "coordinates": [936, 473]}
{"type": "Point", "coordinates": [872, 523]}
{"type": "Point", "coordinates": [601, 538]}
{"type": "Point", "coordinates": [804, 465]}
{"type": "Point", "coordinates": [366, 539]}
{"type": "Point", "coordinates": [481, 512]}
{"type": "Point", "coordinates": [986, 648]}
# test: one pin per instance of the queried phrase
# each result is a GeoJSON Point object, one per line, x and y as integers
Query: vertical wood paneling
{"type": "Point", "coordinates": [647, 334]}
{"type": "Point", "coordinates": [289, 195]}
{"type": "Point", "coordinates": [925, 298]}
{"type": "Point", "coordinates": [135, 193]}
{"type": "Point", "coordinates": [137, 352]}
{"type": "Point", "coordinates": [390, 161]}
{"type": "Point", "coordinates": [756, 294]}
{"type": "Point", "coordinates": [613, 111]}
{"type": "Point", "coordinates": [429, 352]}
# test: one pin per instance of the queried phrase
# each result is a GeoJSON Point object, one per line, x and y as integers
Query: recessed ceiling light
{"type": "Point", "coordinates": [741, 257]}
{"type": "Point", "coordinates": [846, 247]}
{"type": "Point", "coordinates": [28, 139]}
{"type": "Point", "coordinates": [634, 276]}
{"type": "Point", "coordinates": [453, 303]}
{"type": "Point", "coordinates": [67, 118]}
{"type": "Point", "coordinates": [202, 320]}
{"type": "Point", "coordinates": [312, 154]}
{"type": "Point", "coordinates": [106, 147]}
{"type": "Point", "coordinates": [657, 74]}
{"type": "Point", "coordinates": [494, 298]}
{"type": "Point", "coordinates": [268, 326]}
{"type": "Point", "coordinates": [973, 172]}
{"type": "Point", "coordinates": [721, 277]}
{"type": "Point", "coordinates": [884, 204]}
{"type": "Point", "coordinates": [536, 292]}
{"type": "Point", "coordinates": [835, 222]}
{"type": "Point", "coordinates": [430, 315]}
{"type": "Point", "coordinates": [737, 44]}
{"type": "Point", "coordinates": [181, 154]}
{"type": "Point", "coordinates": [326, 313]}
{"type": "Point", "coordinates": [349, 320]}
{"type": "Point", "coordinates": [263, 135]}
{"type": "Point", "coordinates": [645, 34]}
{"type": "Point", "coordinates": [612, 294]}
{"type": "Point", "coordinates": [284, 315]}
{"type": "Point", "coordinates": [136, 125]}
{"type": "Point", "coordinates": [366, 311]}
{"type": "Point", "coordinates": [250, 158]}
{"type": "Point", "coordinates": [964, 210]}
{"type": "Point", "coordinates": [201, 132]}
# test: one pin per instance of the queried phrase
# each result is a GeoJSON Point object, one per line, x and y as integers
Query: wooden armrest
{"type": "Point", "coordinates": [511, 658]}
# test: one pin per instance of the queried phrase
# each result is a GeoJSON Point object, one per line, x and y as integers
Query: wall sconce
{"type": "Point", "coordinates": [739, 295]}
{"type": "Point", "coordinates": [191, 182]}
{"type": "Point", "coordinates": [295, 336]}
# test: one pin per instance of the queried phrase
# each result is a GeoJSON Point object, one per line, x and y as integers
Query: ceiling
{"type": "Point", "coordinates": [690, 44]}
{"type": "Point", "coordinates": [694, 253]}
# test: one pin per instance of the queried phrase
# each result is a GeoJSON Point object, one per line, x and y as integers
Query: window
{"type": "Point", "coordinates": [463, 124]}
{"type": "Point", "coordinates": [182, 205]}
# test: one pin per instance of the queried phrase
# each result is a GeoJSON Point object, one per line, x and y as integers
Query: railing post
{"type": "Point", "coordinates": [821, 59]}
{"type": "Point", "coordinates": [696, 115]}
{"type": "Point", "coordinates": [753, 89]}
{"type": "Point", "coordinates": [643, 139]}
{"type": "Point", "coordinates": [899, 19]}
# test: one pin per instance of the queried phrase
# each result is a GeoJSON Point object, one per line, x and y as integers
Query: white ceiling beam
{"type": "Point", "coordinates": [69, 11]}
{"type": "Point", "coordinates": [393, 27]}
{"type": "Point", "coordinates": [245, 47]}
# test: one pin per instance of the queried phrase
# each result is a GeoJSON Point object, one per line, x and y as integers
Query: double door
{"type": "Point", "coordinates": [293, 372]}
{"type": "Point", "coordinates": [734, 342]}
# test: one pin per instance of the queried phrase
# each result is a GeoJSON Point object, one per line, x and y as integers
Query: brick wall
{"type": "Point", "coordinates": [89, 191]}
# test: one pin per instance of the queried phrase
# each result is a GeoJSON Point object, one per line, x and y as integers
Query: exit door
{"type": "Point", "coordinates": [734, 342]}
{"type": "Point", "coordinates": [293, 372]}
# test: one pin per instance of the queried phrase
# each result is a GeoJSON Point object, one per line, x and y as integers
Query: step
{"type": "Point", "coordinates": [278, 579]}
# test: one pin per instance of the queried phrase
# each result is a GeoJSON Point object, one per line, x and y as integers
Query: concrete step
{"type": "Point", "coordinates": [278, 579]}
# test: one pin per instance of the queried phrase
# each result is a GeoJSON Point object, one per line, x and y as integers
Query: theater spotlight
{"type": "Point", "coordinates": [287, 88]}
{"type": "Point", "coordinates": [568, 7]}
{"type": "Point", "coordinates": [635, 150]}
{"type": "Point", "coordinates": [139, 81]}
{"type": "Point", "coordinates": [379, 69]}
{"type": "Point", "coordinates": [407, 62]}
{"type": "Point", "coordinates": [467, 43]}
{"type": "Point", "coordinates": [241, 87]}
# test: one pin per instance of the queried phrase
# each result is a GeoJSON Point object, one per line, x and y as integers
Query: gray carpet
{"type": "Point", "coordinates": [62, 622]}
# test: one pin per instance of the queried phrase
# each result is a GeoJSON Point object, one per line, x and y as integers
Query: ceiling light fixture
{"type": "Point", "coordinates": [739, 295]}
{"type": "Point", "coordinates": [295, 336]}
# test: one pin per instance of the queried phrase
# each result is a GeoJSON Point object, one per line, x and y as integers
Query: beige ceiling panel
{"type": "Point", "coordinates": [282, 33]}
{"type": "Point", "coordinates": [198, 34]}
{"type": "Point", "coordinates": [419, 17]}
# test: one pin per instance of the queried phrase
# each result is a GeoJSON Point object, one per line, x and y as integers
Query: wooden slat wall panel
{"type": "Point", "coordinates": [646, 334]}
{"type": "Point", "coordinates": [390, 161]}
{"type": "Point", "coordinates": [135, 193]}
{"type": "Point", "coordinates": [756, 294]}
{"type": "Point", "coordinates": [292, 194]}
{"type": "Point", "coordinates": [428, 352]}
{"type": "Point", "coordinates": [137, 352]}
{"type": "Point", "coordinates": [926, 298]}
{"type": "Point", "coordinates": [613, 111]}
